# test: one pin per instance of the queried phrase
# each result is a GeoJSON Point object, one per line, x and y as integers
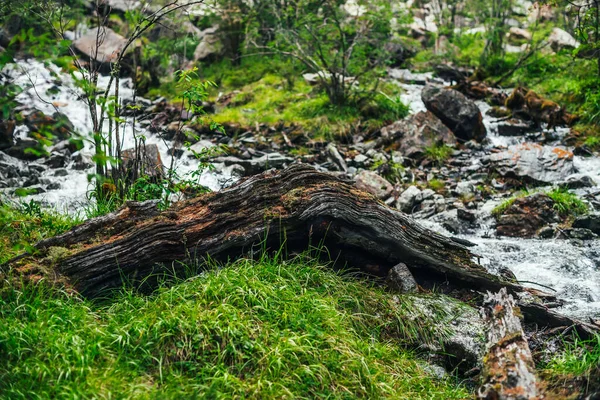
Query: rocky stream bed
{"type": "Point", "coordinates": [480, 173]}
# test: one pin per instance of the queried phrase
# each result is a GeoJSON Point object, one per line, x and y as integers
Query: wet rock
{"type": "Point", "coordinates": [9, 170]}
{"type": "Point", "coordinates": [61, 172]}
{"type": "Point", "coordinates": [401, 280]}
{"type": "Point", "coordinates": [526, 216]}
{"type": "Point", "coordinates": [534, 163]}
{"type": "Point", "coordinates": [562, 40]}
{"type": "Point", "coordinates": [413, 134]}
{"type": "Point", "coordinates": [108, 51]}
{"type": "Point", "coordinates": [257, 165]}
{"type": "Point", "coordinates": [514, 127]}
{"type": "Point", "coordinates": [82, 161]}
{"type": "Point", "coordinates": [7, 128]}
{"type": "Point", "coordinates": [466, 215]}
{"type": "Point", "coordinates": [578, 182]}
{"type": "Point", "coordinates": [27, 149]}
{"type": "Point", "coordinates": [409, 198]}
{"type": "Point", "coordinates": [545, 232]}
{"type": "Point", "coordinates": [590, 221]}
{"type": "Point", "coordinates": [56, 160]}
{"type": "Point", "coordinates": [577, 234]}
{"type": "Point", "coordinates": [456, 111]}
{"type": "Point", "coordinates": [31, 181]}
{"type": "Point", "coordinates": [370, 182]}
{"type": "Point", "coordinates": [53, 186]}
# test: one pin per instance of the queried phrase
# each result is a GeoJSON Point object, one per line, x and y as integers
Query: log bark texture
{"type": "Point", "coordinates": [298, 205]}
{"type": "Point", "coordinates": [508, 369]}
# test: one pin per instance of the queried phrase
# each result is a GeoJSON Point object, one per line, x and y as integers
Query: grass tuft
{"type": "Point", "coordinates": [438, 153]}
{"type": "Point", "coordinates": [566, 203]}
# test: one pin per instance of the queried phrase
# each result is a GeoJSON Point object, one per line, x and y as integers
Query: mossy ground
{"type": "Point", "coordinates": [272, 91]}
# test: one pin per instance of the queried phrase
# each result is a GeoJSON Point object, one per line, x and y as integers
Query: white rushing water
{"type": "Point", "coordinates": [569, 268]}
{"type": "Point", "coordinates": [48, 89]}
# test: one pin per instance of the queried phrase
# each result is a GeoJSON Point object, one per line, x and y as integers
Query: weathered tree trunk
{"type": "Point", "coordinates": [298, 206]}
{"type": "Point", "coordinates": [508, 370]}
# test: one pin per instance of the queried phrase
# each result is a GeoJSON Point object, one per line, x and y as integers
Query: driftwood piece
{"type": "Point", "coordinates": [508, 368]}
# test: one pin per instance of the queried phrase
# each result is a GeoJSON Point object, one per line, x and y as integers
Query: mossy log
{"type": "Point", "coordinates": [508, 367]}
{"type": "Point", "coordinates": [296, 208]}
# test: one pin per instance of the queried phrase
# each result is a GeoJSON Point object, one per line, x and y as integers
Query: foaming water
{"type": "Point", "coordinates": [48, 89]}
{"type": "Point", "coordinates": [568, 268]}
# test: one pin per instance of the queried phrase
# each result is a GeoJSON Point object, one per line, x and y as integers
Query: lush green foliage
{"type": "Point", "coordinates": [505, 204]}
{"type": "Point", "coordinates": [566, 203]}
{"type": "Point", "coordinates": [256, 329]}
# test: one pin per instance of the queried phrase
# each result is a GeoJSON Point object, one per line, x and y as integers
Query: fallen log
{"type": "Point", "coordinates": [297, 207]}
{"type": "Point", "coordinates": [299, 204]}
{"type": "Point", "coordinates": [508, 367]}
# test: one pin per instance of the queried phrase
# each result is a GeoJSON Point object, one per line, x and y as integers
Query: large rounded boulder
{"type": "Point", "coordinates": [456, 111]}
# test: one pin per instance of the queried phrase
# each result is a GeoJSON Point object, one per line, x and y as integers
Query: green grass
{"type": "Point", "coordinates": [579, 358]}
{"type": "Point", "coordinates": [24, 224]}
{"type": "Point", "coordinates": [566, 203]}
{"type": "Point", "coordinates": [262, 329]}
{"type": "Point", "coordinates": [593, 142]}
{"type": "Point", "coordinates": [438, 153]}
{"type": "Point", "coordinates": [436, 185]}
{"type": "Point", "coordinates": [273, 92]}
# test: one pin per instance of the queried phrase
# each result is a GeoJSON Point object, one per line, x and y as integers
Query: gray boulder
{"type": "Point", "coordinates": [370, 182]}
{"type": "Point", "coordinates": [109, 49]}
{"type": "Point", "coordinates": [591, 222]}
{"type": "Point", "coordinates": [562, 40]}
{"type": "Point", "coordinates": [409, 198]}
{"type": "Point", "coordinates": [415, 133]}
{"type": "Point", "coordinates": [534, 163]}
{"type": "Point", "coordinates": [400, 279]}
{"type": "Point", "coordinates": [456, 111]}
{"type": "Point", "coordinates": [209, 45]}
